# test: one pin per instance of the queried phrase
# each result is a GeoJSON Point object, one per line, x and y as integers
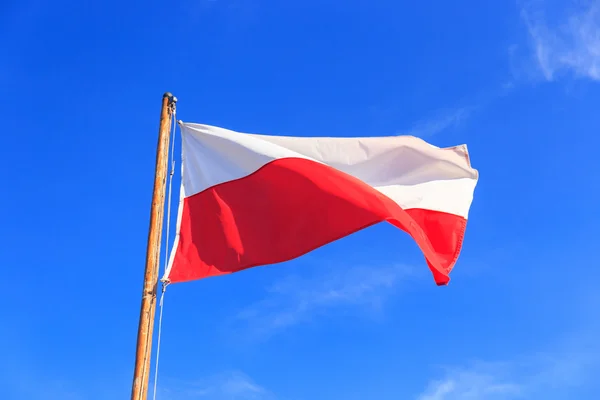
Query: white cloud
{"type": "Point", "coordinates": [456, 117]}
{"type": "Point", "coordinates": [483, 382]}
{"type": "Point", "coordinates": [444, 119]}
{"type": "Point", "coordinates": [538, 375]}
{"type": "Point", "coordinates": [571, 44]}
{"type": "Point", "coordinates": [295, 300]}
{"type": "Point", "coordinates": [231, 385]}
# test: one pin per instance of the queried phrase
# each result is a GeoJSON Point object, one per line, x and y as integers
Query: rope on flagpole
{"type": "Point", "coordinates": [164, 285]}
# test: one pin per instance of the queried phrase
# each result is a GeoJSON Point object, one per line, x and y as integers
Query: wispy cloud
{"type": "Point", "coordinates": [440, 121]}
{"type": "Point", "coordinates": [481, 382]}
{"type": "Point", "coordinates": [230, 385]}
{"type": "Point", "coordinates": [456, 117]}
{"type": "Point", "coordinates": [539, 375]}
{"type": "Point", "coordinates": [570, 43]}
{"type": "Point", "coordinates": [295, 300]}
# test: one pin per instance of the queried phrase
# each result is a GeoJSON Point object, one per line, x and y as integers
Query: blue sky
{"type": "Point", "coordinates": [519, 82]}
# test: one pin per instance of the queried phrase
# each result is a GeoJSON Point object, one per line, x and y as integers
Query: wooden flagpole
{"type": "Point", "coordinates": [146, 324]}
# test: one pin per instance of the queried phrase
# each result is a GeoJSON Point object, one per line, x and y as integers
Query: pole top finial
{"type": "Point", "coordinates": [170, 96]}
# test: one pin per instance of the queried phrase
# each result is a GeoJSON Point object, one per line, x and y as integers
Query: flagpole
{"type": "Point", "coordinates": [146, 323]}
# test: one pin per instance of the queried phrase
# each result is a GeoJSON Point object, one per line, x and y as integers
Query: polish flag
{"type": "Point", "coordinates": [250, 200]}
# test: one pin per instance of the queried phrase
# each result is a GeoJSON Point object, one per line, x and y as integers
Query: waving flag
{"type": "Point", "coordinates": [250, 200]}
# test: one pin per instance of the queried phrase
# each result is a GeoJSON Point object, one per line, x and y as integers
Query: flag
{"type": "Point", "coordinates": [249, 200]}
